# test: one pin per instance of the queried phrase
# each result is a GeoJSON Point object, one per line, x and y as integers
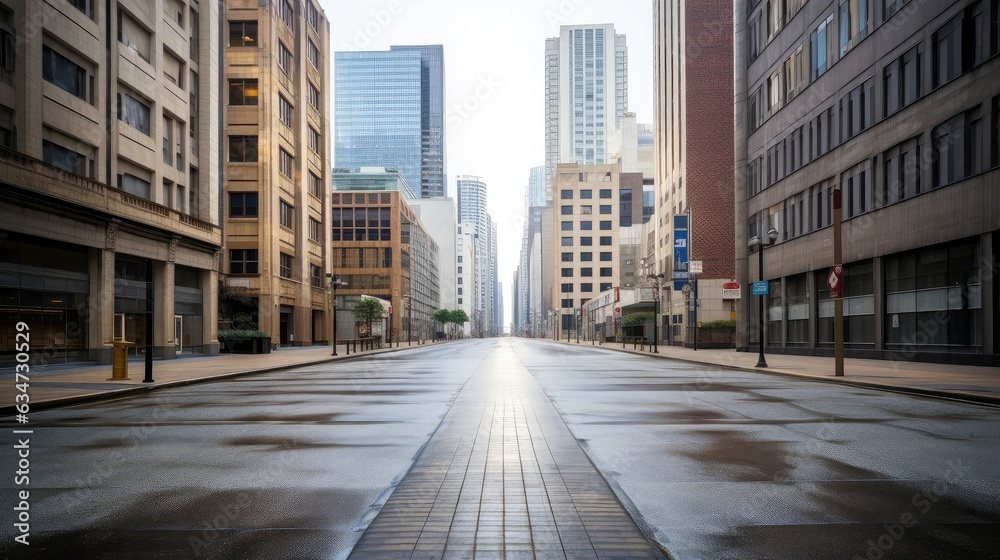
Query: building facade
{"type": "Point", "coordinates": [586, 94]}
{"type": "Point", "coordinates": [381, 249]}
{"type": "Point", "coordinates": [389, 111]}
{"type": "Point", "coordinates": [588, 215]}
{"type": "Point", "coordinates": [467, 247]}
{"type": "Point", "coordinates": [471, 191]}
{"type": "Point", "coordinates": [109, 169]}
{"type": "Point", "coordinates": [277, 171]}
{"type": "Point", "coordinates": [894, 105]}
{"type": "Point", "coordinates": [439, 217]}
{"type": "Point", "coordinates": [693, 57]}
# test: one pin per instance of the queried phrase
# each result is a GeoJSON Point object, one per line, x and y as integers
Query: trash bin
{"type": "Point", "coordinates": [119, 364]}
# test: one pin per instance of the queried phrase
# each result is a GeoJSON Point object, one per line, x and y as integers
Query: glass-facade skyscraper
{"type": "Point", "coordinates": [389, 112]}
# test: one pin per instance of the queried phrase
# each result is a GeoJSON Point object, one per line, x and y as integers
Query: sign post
{"type": "Point", "coordinates": [835, 278]}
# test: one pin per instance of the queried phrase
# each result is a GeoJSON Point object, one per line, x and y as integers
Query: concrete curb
{"type": "Point", "coordinates": [962, 396]}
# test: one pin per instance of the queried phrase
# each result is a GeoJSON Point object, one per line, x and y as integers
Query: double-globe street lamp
{"type": "Point", "coordinates": [772, 236]}
{"type": "Point", "coordinates": [335, 282]}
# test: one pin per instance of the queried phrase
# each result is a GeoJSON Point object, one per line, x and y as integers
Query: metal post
{"type": "Point", "coordinates": [656, 317]}
{"type": "Point", "coordinates": [761, 362]}
{"type": "Point", "coordinates": [838, 303]}
{"type": "Point", "coordinates": [694, 280]}
{"type": "Point", "coordinates": [149, 322]}
{"type": "Point", "coordinates": [333, 312]}
{"type": "Point", "coordinates": [409, 320]}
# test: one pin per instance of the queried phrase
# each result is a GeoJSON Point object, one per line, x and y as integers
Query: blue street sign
{"type": "Point", "coordinates": [760, 288]}
{"type": "Point", "coordinates": [680, 251]}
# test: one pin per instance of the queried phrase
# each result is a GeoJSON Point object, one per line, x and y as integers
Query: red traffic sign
{"type": "Point", "coordinates": [618, 310]}
{"type": "Point", "coordinates": [731, 286]}
{"type": "Point", "coordinates": [835, 280]}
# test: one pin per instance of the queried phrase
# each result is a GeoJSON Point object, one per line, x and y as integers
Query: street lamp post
{"type": "Point", "coordinates": [335, 281]}
{"type": "Point", "coordinates": [655, 279]}
{"type": "Point", "coordinates": [772, 236]}
{"type": "Point", "coordinates": [576, 323]}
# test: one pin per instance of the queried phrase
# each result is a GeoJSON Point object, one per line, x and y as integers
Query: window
{"type": "Point", "coordinates": [961, 44]}
{"type": "Point", "coordinates": [315, 276]}
{"type": "Point", "coordinates": [775, 17]}
{"type": "Point", "coordinates": [566, 242]}
{"type": "Point", "coordinates": [242, 148]}
{"type": "Point", "coordinates": [587, 210]}
{"type": "Point", "coordinates": [605, 209]}
{"type": "Point", "coordinates": [242, 92]}
{"type": "Point", "coordinates": [566, 226]}
{"type": "Point", "coordinates": [285, 266]}
{"type": "Point", "coordinates": [566, 210]}
{"type": "Point", "coordinates": [285, 111]}
{"type": "Point", "coordinates": [315, 140]}
{"type": "Point", "coordinates": [243, 34]}
{"type": "Point", "coordinates": [821, 49]}
{"type": "Point", "coordinates": [566, 194]}
{"type": "Point", "coordinates": [901, 81]}
{"type": "Point", "coordinates": [606, 256]}
{"type": "Point", "coordinates": [606, 225]}
{"type": "Point", "coordinates": [586, 225]}
{"type": "Point", "coordinates": [285, 162]}
{"type": "Point", "coordinates": [133, 36]}
{"type": "Point", "coordinates": [604, 193]}
{"type": "Point", "coordinates": [284, 59]}
{"type": "Point", "coordinates": [173, 69]}
{"type": "Point", "coordinates": [566, 272]}
{"type": "Point", "coordinates": [84, 6]}
{"type": "Point", "coordinates": [286, 14]}
{"type": "Point", "coordinates": [243, 261]}
{"type": "Point", "coordinates": [755, 35]}
{"type": "Point", "coordinates": [586, 257]}
{"type": "Point", "coordinates": [566, 288]}
{"type": "Point", "coordinates": [133, 112]}
{"type": "Point", "coordinates": [67, 159]}
{"type": "Point", "coordinates": [286, 214]}
{"type": "Point", "coordinates": [606, 241]}
{"type": "Point", "coordinates": [315, 185]}
{"type": "Point", "coordinates": [312, 53]}
{"type": "Point", "coordinates": [566, 257]}
{"type": "Point", "coordinates": [857, 186]}
{"type": "Point", "coordinates": [243, 205]}
{"type": "Point", "coordinates": [606, 272]}
{"type": "Point", "coordinates": [854, 22]}
{"type": "Point", "coordinates": [314, 96]}
{"type": "Point", "coordinates": [586, 194]}
{"type": "Point", "coordinates": [958, 148]}
{"type": "Point", "coordinates": [856, 110]}
{"type": "Point", "coordinates": [893, 6]}
{"type": "Point", "coordinates": [587, 272]}
{"type": "Point", "coordinates": [901, 167]}
{"type": "Point", "coordinates": [312, 15]}
{"type": "Point", "coordinates": [64, 73]}
{"type": "Point", "coordinates": [586, 241]}
{"type": "Point", "coordinates": [586, 287]}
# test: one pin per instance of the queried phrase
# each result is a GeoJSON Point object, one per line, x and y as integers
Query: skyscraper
{"type": "Point", "coordinates": [586, 94]}
{"type": "Point", "coordinates": [472, 210]}
{"type": "Point", "coordinates": [389, 112]}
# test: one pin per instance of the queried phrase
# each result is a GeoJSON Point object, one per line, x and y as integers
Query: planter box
{"type": "Point", "coordinates": [245, 345]}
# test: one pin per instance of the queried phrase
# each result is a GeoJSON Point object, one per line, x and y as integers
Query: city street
{"type": "Point", "coordinates": [512, 448]}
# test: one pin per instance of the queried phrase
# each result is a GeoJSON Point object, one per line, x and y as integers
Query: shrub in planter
{"type": "Point", "coordinates": [244, 341]}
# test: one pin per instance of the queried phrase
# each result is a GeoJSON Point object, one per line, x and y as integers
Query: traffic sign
{"type": "Point", "coordinates": [835, 281]}
{"type": "Point", "coordinates": [760, 288]}
{"type": "Point", "coordinates": [694, 267]}
{"type": "Point", "coordinates": [731, 290]}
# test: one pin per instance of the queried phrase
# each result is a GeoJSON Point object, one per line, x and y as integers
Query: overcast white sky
{"type": "Point", "coordinates": [494, 54]}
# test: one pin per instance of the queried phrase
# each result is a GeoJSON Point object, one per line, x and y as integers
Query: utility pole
{"type": "Point", "coordinates": [838, 303]}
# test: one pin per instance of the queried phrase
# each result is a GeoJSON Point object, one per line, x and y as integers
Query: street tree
{"type": "Point", "coordinates": [367, 310]}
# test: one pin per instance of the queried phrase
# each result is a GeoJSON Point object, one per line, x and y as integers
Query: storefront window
{"type": "Point", "coordinates": [858, 292]}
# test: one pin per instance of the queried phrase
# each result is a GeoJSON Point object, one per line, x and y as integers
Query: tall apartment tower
{"type": "Point", "coordinates": [586, 94]}
{"type": "Point", "coordinates": [895, 105]}
{"type": "Point", "coordinates": [472, 211]}
{"type": "Point", "coordinates": [693, 46]}
{"type": "Point", "coordinates": [109, 168]}
{"type": "Point", "coordinates": [277, 172]}
{"type": "Point", "coordinates": [389, 112]}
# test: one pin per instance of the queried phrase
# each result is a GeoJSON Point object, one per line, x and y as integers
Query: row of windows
{"type": "Point", "coordinates": [960, 147]}
{"type": "Point", "coordinates": [362, 198]}
{"type": "Point", "coordinates": [362, 257]}
{"type": "Point", "coordinates": [585, 194]}
{"type": "Point", "coordinates": [585, 241]}
{"type": "Point", "coordinates": [585, 272]}
{"type": "Point", "coordinates": [965, 41]}
{"type": "Point", "coordinates": [585, 210]}
{"type": "Point", "coordinates": [362, 224]}
{"type": "Point", "coordinates": [585, 287]}
{"type": "Point", "coordinates": [586, 256]}
{"type": "Point", "coordinates": [246, 261]}
{"type": "Point", "coordinates": [585, 225]}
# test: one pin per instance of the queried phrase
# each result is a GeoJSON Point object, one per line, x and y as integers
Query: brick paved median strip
{"type": "Point", "coordinates": [503, 477]}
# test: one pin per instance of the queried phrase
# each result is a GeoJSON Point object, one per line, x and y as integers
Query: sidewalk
{"type": "Point", "coordinates": [62, 384]}
{"type": "Point", "coordinates": [973, 383]}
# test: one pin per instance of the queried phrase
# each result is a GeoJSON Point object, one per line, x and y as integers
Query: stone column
{"type": "Point", "coordinates": [987, 274]}
{"type": "Point", "coordinates": [100, 314]}
{"type": "Point", "coordinates": [163, 310]}
{"type": "Point", "coordinates": [210, 307]}
{"type": "Point", "coordinates": [878, 286]}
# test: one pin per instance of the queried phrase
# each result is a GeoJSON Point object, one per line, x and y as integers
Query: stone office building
{"type": "Point", "coordinates": [109, 164]}
{"type": "Point", "coordinates": [897, 103]}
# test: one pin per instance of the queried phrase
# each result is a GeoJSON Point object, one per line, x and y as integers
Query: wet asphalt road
{"type": "Point", "coordinates": [710, 463]}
